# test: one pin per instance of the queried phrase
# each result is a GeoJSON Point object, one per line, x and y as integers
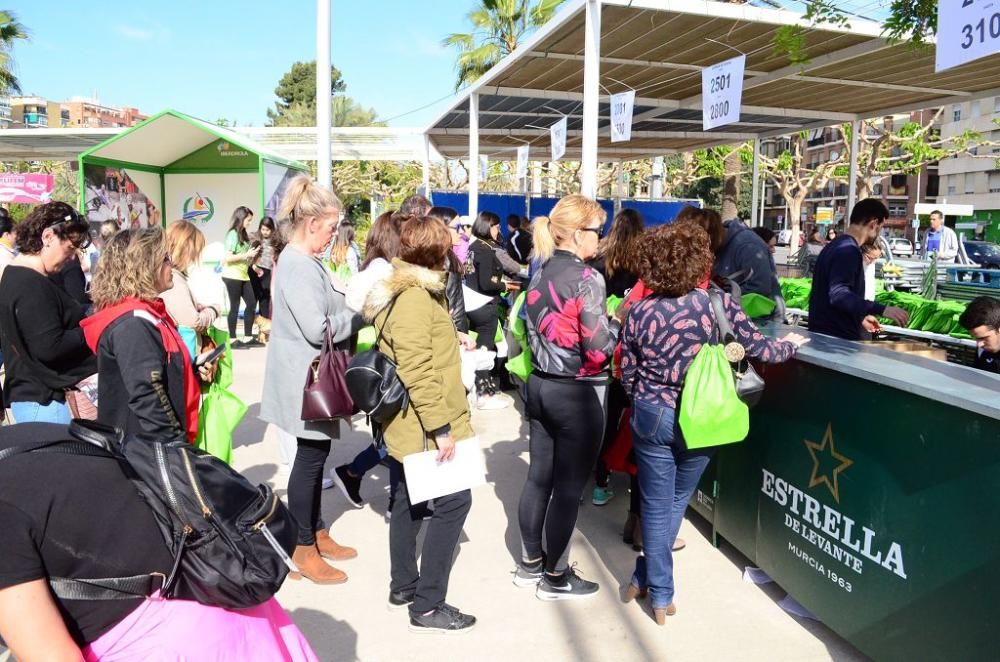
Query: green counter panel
{"type": "Point", "coordinates": [874, 508]}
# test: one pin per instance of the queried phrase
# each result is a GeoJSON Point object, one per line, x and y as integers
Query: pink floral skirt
{"type": "Point", "coordinates": [183, 630]}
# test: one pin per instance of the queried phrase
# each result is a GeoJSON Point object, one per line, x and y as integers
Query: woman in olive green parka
{"type": "Point", "coordinates": [420, 337]}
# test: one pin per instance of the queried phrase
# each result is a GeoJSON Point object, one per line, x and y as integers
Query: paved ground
{"type": "Point", "coordinates": [720, 617]}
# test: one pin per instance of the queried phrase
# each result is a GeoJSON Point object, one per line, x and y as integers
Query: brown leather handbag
{"type": "Point", "coordinates": [325, 396]}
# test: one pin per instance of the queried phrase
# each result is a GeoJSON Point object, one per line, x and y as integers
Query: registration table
{"type": "Point", "coordinates": [869, 490]}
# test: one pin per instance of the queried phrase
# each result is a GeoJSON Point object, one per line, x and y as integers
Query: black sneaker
{"type": "Point", "coordinates": [400, 599]}
{"type": "Point", "coordinates": [237, 344]}
{"type": "Point", "coordinates": [349, 486]}
{"type": "Point", "coordinates": [569, 586]}
{"type": "Point", "coordinates": [528, 576]}
{"type": "Point", "coordinates": [443, 620]}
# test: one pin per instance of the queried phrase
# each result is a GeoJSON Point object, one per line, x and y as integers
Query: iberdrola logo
{"type": "Point", "coordinates": [198, 209]}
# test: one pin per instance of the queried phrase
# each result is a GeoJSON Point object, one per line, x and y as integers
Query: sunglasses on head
{"type": "Point", "coordinates": [81, 241]}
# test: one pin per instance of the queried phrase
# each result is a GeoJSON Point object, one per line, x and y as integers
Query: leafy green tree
{"type": "Point", "coordinates": [298, 86]}
{"type": "Point", "coordinates": [10, 32]}
{"type": "Point", "coordinates": [499, 27]}
{"type": "Point", "coordinates": [344, 111]}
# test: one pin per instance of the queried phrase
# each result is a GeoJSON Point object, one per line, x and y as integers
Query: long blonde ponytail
{"type": "Point", "coordinates": [573, 212]}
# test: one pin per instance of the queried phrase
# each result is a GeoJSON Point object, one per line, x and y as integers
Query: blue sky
{"type": "Point", "coordinates": [223, 58]}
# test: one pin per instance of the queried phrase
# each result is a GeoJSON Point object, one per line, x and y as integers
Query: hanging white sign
{"type": "Point", "coordinates": [558, 134]}
{"type": "Point", "coordinates": [622, 105]}
{"type": "Point", "coordinates": [522, 161]}
{"type": "Point", "coordinates": [967, 30]}
{"type": "Point", "coordinates": [722, 92]}
{"type": "Point", "coordinates": [484, 167]}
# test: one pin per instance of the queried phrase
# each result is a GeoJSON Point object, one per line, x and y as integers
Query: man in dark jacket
{"type": "Point", "coordinates": [837, 304]}
{"type": "Point", "coordinates": [982, 319]}
{"type": "Point", "coordinates": [746, 259]}
{"type": "Point", "coordinates": [521, 242]}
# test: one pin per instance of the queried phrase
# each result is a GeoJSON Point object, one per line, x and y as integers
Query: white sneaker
{"type": "Point", "coordinates": [327, 483]}
{"type": "Point", "coordinates": [492, 403]}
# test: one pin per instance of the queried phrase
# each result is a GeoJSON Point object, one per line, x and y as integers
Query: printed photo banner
{"type": "Point", "coordinates": [25, 187]}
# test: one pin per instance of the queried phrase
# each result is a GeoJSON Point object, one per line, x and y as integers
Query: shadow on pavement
{"type": "Point", "coordinates": [251, 429]}
{"type": "Point", "coordinates": [333, 640]}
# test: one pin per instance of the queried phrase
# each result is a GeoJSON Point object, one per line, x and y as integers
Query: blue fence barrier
{"type": "Point", "coordinates": [655, 212]}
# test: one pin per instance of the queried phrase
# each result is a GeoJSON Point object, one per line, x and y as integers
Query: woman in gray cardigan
{"type": "Point", "coordinates": [303, 304]}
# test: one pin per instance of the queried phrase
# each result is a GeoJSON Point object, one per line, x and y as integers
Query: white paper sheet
{"type": "Point", "coordinates": [622, 105]}
{"type": "Point", "coordinates": [557, 132]}
{"type": "Point", "coordinates": [426, 478]}
{"type": "Point", "coordinates": [967, 30]}
{"type": "Point", "coordinates": [722, 92]}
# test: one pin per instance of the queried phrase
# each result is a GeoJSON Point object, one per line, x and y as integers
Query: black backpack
{"type": "Point", "coordinates": [373, 383]}
{"type": "Point", "coordinates": [230, 540]}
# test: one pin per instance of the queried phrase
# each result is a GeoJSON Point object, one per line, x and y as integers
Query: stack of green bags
{"type": "Point", "coordinates": [795, 292]}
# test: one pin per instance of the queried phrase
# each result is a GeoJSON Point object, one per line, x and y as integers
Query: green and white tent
{"type": "Point", "coordinates": [174, 166]}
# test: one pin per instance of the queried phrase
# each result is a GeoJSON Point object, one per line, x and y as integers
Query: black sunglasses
{"type": "Point", "coordinates": [598, 231]}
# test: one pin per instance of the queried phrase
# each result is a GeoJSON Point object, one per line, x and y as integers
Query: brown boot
{"type": "Point", "coordinates": [329, 549]}
{"type": "Point", "coordinates": [679, 544]}
{"type": "Point", "coordinates": [660, 614]}
{"type": "Point", "coordinates": [314, 568]}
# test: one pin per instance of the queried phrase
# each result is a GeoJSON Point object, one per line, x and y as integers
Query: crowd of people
{"type": "Point", "coordinates": [615, 314]}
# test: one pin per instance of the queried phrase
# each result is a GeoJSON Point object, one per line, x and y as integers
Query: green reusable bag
{"type": "Point", "coordinates": [710, 412]}
{"type": "Point", "coordinates": [221, 410]}
{"type": "Point", "coordinates": [519, 365]}
{"type": "Point", "coordinates": [366, 339]}
{"type": "Point", "coordinates": [614, 303]}
{"type": "Point", "coordinates": [757, 305]}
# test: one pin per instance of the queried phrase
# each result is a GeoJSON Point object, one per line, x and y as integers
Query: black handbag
{"type": "Point", "coordinates": [231, 541]}
{"type": "Point", "coordinates": [325, 396]}
{"type": "Point", "coordinates": [749, 385]}
{"type": "Point", "coordinates": [373, 383]}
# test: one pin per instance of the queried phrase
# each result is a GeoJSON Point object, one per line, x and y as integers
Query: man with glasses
{"type": "Point", "coordinates": [982, 319]}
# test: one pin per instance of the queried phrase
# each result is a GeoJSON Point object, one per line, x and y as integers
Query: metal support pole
{"type": "Point", "coordinates": [756, 217]}
{"type": "Point", "coordinates": [852, 188]}
{"type": "Point", "coordinates": [656, 185]}
{"type": "Point", "coordinates": [591, 97]}
{"type": "Point", "coordinates": [619, 185]}
{"type": "Point", "coordinates": [427, 166]}
{"type": "Point", "coordinates": [323, 95]}
{"type": "Point", "coordinates": [473, 156]}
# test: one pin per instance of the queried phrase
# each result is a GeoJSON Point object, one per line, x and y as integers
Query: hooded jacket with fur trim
{"type": "Point", "coordinates": [421, 339]}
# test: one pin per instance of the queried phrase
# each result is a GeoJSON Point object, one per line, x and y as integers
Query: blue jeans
{"type": "Point", "coordinates": [668, 476]}
{"type": "Point", "coordinates": [32, 412]}
{"type": "Point", "coordinates": [366, 460]}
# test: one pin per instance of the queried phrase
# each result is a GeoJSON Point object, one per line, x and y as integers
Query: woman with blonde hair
{"type": "Point", "coordinates": [572, 341]}
{"type": "Point", "coordinates": [147, 380]}
{"type": "Point", "coordinates": [185, 242]}
{"type": "Point", "coordinates": [304, 305]}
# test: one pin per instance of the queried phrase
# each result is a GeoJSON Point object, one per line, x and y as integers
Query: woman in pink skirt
{"type": "Point", "coordinates": [75, 517]}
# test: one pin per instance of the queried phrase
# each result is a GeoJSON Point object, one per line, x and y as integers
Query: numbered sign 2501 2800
{"type": "Point", "coordinates": [722, 92]}
{"type": "Point", "coordinates": [967, 30]}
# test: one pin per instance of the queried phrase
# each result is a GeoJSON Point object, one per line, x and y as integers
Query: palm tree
{"type": "Point", "coordinates": [10, 31]}
{"type": "Point", "coordinates": [499, 26]}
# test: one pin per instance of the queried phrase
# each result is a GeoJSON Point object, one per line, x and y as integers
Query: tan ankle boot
{"type": "Point", "coordinates": [660, 614]}
{"type": "Point", "coordinates": [329, 549]}
{"type": "Point", "coordinates": [314, 568]}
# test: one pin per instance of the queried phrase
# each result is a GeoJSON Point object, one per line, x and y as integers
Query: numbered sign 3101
{"type": "Point", "coordinates": [967, 30]}
{"type": "Point", "coordinates": [722, 92]}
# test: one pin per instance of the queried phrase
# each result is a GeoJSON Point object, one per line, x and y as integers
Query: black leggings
{"type": "Point", "coordinates": [484, 322]}
{"type": "Point", "coordinates": [567, 423]}
{"type": "Point", "coordinates": [262, 290]}
{"type": "Point", "coordinates": [236, 290]}
{"type": "Point", "coordinates": [305, 486]}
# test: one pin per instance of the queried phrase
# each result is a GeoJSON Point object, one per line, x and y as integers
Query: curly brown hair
{"type": "Point", "coordinates": [129, 266]}
{"type": "Point", "coordinates": [673, 259]}
{"type": "Point", "coordinates": [64, 221]}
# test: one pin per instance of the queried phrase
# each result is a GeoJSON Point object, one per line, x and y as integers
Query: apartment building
{"type": "Point", "coordinates": [899, 193]}
{"type": "Point", "coordinates": [6, 115]}
{"type": "Point", "coordinates": [34, 112]}
{"type": "Point", "coordinates": [86, 113]}
{"type": "Point", "coordinates": [974, 179]}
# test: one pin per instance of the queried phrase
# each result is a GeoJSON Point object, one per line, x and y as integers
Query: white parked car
{"type": "Point", "coordinates": [901, 247]}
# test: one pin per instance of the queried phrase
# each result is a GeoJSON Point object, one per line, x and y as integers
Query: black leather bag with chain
{"type": "Point", "coordinates": [749, 385]}
{"type": "Point", "coordinates": [373, 383]}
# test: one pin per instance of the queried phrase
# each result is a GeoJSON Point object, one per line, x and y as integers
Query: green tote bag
{"type": "Point", "coordinates": [710, 411]}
